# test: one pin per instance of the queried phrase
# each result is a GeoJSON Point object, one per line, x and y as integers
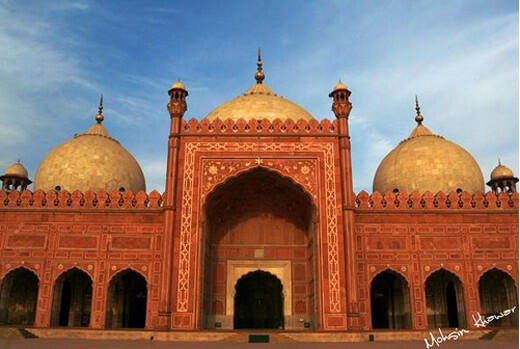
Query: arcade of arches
{"type": "Point", "coordinates": [390, 300]}
{"type": "Point", "coordinates": [261, 217]}
{"type": "Point", "coordinates": [258, 301]}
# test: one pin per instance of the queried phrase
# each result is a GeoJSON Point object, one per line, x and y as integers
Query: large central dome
{"type": "Point", "coordinates": [259, 103]}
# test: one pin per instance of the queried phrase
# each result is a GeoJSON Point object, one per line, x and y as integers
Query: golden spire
{"type": "Point", "coordinates": [418, 118]}
{"type": "Point", "coordinates": [99, 115]}
{"type": "Point", "coordinates": [259, 75]}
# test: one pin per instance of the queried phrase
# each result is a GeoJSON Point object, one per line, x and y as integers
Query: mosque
{"type": "Point", "coordinates": [258, 228]}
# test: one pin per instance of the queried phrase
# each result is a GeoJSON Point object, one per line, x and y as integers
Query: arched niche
{"type": "Point", "coordinates": [258, 301]}
{"type": "Point", "coordinates": [497, 292]}
{"type": "Point", "coordinates": [261, 217]}
{"type": "Point", "coordinates": [18, 297]}
{"type": "Point", "coordinates": [126, 300]}
{"type": "Point", "coordinates": [445, 300]}
{"type": "Point", "coordinates": [72, 299]}
{"type": "Point", "coordinates": [390, 301]}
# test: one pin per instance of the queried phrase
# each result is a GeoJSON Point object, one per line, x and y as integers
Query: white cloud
{"type": "Point", "coordinates": [465, 72]}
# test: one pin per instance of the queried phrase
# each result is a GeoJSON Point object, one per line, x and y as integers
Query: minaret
{"type": "Point", "coordinates": [502, 179]}
{"type": "Point", "coordinates": [341, 107]}
{"type": "Point", "coordinates": [176, 107]}
{"type": "Point", "coordinates": [15, 177]}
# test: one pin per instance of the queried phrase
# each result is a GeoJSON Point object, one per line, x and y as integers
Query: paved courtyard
{"type": "Point", "coordinates": [96, 344]}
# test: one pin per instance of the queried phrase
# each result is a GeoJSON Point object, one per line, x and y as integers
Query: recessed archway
{"type": "Point", "coordinates": [445, 300]}
{"type": "Point", "coordinates": [498, 293]}
{"type": "Point", "coordinates": [390, 301]}
{"type": "Point", "coordinates": [72, 299]}
{"type": "Point", "coordinates": [126, 302]}
{"type": "Point", "coordinates": [18, 296]}
{"type": "Point", "coordinates": [262, 217]}
{"type": "Point", "coordinates": [258, 302]}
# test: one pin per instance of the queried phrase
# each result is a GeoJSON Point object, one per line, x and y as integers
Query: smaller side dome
{"type": "Point", "coordinates": [339, 86]}
{"type": "Point", "coordinates": [178, 85]}
{"type": "Point", "coordinates": [15, 177]}
{"type": "Point", "coordinates": [17, 170]}
{"type": "Point", "coordinates": [502, 179]}
{"type": "Point", "coordinates": [428, 162]}
{"type": "Point", "coordinates": [90, 161]}
{"type": "Point", "coordinates": [501, 171]}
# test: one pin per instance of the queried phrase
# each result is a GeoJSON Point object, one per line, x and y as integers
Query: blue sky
{"type": "Point", "coordinates": [460, 57]}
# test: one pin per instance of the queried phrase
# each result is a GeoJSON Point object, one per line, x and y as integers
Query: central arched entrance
{"type": "Point", "coordinates": [258, 221]}
{"type": "Point", "coordinates": [258, 301]}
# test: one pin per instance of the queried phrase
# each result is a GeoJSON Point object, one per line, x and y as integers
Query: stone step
{"type": "Point", "coordinates": [243, 336]}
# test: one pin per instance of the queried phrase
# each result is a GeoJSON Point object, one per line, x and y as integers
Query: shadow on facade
{"type": "Point", "coordinates": [72, 299]}
{"type": "Point", "coordinates": [18, 296]}
{"type": "Point", "coordinates": [445, 300]}
{"type": "Point", "coordinates": [126, 303]}
{"type": "Point", "coordinates": [390, 301]}
{"type": "Point", "coordinates": [258, 216]}
{"type": "Point", "coordinates": [498, 293]}
{"type": "Point", "coordinates": [258, 301]}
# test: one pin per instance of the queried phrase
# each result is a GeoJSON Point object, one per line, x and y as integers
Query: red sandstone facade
{"type": "Point", "coordinates": [183, 241]}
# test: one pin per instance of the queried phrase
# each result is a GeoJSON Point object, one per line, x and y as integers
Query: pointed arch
{"type": "Point", "coordinates": [391, 269]}
{"type": "Point", "coordinates": [439, 268]}
{"type": "Point", "coordinates": [243, 172]}
{"type": "Point", "coordinates": [18, 297]}
{"type": "Point", "coordinates": [260, 216]}
{"type": "Point", "coordinates": [499, 268]}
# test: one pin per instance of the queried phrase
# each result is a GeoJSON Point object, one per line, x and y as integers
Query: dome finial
{"type": "Point", "coordinates": [418, 118]}
{"type": "Point", "coordinates": [499, 163]}
{"type": "Point", "coordinates": [259, 75]}
{"type": "Point", "coordinates": [99, 115]}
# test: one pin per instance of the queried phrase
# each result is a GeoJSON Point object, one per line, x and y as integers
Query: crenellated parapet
{"type": "Point", "coordinates": [439, 201]}
{"type": "Point", "coordinates": [78, 200]}
{"type": "Point", "coordinates": [255, 127]}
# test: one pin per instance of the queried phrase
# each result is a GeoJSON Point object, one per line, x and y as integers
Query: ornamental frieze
{"type": "Point", "coordinates": [215, 171]}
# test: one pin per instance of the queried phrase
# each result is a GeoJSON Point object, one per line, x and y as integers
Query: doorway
{"type": "Point", "coordinates": [258, 302]}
